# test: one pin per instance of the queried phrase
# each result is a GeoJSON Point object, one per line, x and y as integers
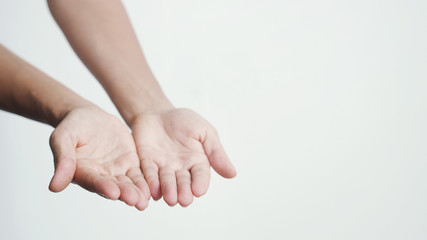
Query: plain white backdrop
{"type": "Point", "coordinates": [322, 106]}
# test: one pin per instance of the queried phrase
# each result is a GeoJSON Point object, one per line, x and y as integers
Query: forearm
{"type": "Point", "coordinates": [26, 91]}
{"type": "Point", "coordinates": [101, 34]}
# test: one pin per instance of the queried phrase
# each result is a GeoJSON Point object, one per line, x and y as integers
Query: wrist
{"type": "Point", "coordinates": [146, 105]}
{"type": "Point", "coordinates": [56, 114]}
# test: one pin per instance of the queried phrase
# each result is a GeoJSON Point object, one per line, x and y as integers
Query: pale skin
{"type": "Point", "coordinates": [176, 147]}
{"type": "Point", "coordinates": [101, 161]}
{"type": "Point", "coordinates": [171, 149]}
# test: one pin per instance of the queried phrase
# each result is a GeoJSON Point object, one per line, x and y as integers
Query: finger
{"type": "Point", "coordinates": [183, 179]}
{"type": "Point", "coordinates": [168, 186]}
{"type": "Point", "coordinates": [142, 202]}
{"type": "Point", "coordinates": [151, 174]}
{"type": "Point", "coordinates": [200, 178]}
{"type": "Point", "coordinates": [217, 156]}
{"type": "Point", "coordinates": [94, 182]}
{"type": "Point", "coordinates": [64, 154]}
{"type": "Point", "coordinates": [138, 179]}
{"type": "Point", "coordinates": [129, 193]}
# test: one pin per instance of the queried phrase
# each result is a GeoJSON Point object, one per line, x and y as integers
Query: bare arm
{"type": "Point", "coordinates": [177, 147]}
{"type": "Point", "coordinates": [102, 36]}
{"type": "Point", "coordinates": [90, 147]}
{"type": "Point", "coordinates": [28, 92]}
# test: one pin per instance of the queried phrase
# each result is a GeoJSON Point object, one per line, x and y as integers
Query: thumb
{"type": "Point", "coordinates": [64, 154]}
{"type": "Point", "coordinates": [217, 156]}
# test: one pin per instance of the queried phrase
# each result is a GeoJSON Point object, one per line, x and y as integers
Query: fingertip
{"type": "Point", "coordinates": [61, 179]}
{"type": "Point", "coordinates": [200, 178]}
{"type": "Point", "coordinates": [170, 197]}
{"type": "Point", "coordinates": [185, 195]}
{"type": "Point", "coordinates": [113, 192]}
{"type": "Point", "coordinates": [129, 195]}
{"type": "Point", "coordinates": [130, 201]}
{"type": "Point", "coordinates": [54, 186]}
{"type": "Point", "coordinates": [222, 165]}
{"type": "Point", "coordinates": [155, 190]}
{"type": "Point", "coordinates": [217, 156]}
{"type": "Point", "coordinates": [171, 203]}
{"type": "Point", "coordinates": [168, 185]}
{"type": "Point", "coordinates": [185, 200]}
{"type": "Point", "coordinates": [143, 200]}
{"type": "Point", "coordinates": [198, 190]}
{"type": "Point", "coordinates": [141, 207]}
{"type": "Point", "coordinates": [144, 189]}
{"type": "Point", "coordinates": [199, 186]}
{"type": "Point", "coordinates": [230, 172]}
{"type": "Point", "coordinates": [151, 176]}
{"type": "Point", "coordinates": [186, 204]}
{"type": "Point", "coordinates": [142, 203]}
{"type": "Point", "coordinates": [157, 197]}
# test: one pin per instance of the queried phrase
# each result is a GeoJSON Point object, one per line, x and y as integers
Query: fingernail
{"type": "Point", "coordinates": [102, 195]}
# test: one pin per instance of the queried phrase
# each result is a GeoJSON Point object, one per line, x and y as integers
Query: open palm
{"type": "Point", "coordinates": [96, 151]}
{"type": "Point", "coordinates": [177, 149]}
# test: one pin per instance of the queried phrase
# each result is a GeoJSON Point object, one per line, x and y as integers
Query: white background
{"type": "Point", "coordinates": [320, 104]}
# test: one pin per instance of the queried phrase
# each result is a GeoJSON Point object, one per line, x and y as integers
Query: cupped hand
{"type": "Point", "coordinates": [177, 147]}
{"type": "Point", "coordinates": [96, 151]}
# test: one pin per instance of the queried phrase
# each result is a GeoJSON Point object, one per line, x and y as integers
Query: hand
{"type": "Point", "coordinates": [96, 151]}
{"type": "Point", "coordinates": [177, 148]}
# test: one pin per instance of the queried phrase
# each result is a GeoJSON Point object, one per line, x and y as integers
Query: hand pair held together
{"type": "Point", "coordinates": [169, 151]}
{"type": "Point", "coordinates": [167, 154]}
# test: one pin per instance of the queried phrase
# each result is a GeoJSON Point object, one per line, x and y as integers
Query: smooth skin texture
{"type": "Point", "coordinates": [96, 151]}
{"type": "Point", "coordinates": [176, 147]}
{"type": "Point", "coordinates": [91, 148]}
